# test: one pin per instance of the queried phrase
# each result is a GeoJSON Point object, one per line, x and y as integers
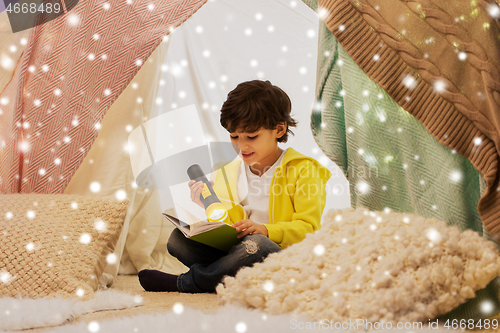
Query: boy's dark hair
{"type": "Point", "coordinates": [255, 104]}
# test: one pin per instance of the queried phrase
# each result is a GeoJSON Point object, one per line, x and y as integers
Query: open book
{"type": "Point", "coordinates": [219, 235]}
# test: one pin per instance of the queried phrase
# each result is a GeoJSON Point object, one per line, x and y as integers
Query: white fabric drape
{"type": "Point", "coordinates": [142, 242]}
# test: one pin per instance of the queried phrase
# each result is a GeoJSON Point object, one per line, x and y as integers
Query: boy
{"type": "Point", "coordinates": [286, 193]}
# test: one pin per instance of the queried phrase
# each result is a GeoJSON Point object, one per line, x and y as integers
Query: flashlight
{"type": "Point", "coordinates": [213, 207]}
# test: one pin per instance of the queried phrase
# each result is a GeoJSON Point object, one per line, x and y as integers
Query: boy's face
{"type": "Point", "coordinates": [258, 149]}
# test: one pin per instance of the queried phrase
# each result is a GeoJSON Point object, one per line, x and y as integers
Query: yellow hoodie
{"type": "Point", "coordinates": [297, 196]}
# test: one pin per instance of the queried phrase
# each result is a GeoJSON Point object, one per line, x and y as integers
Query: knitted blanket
{"type": "Point", "coordinates": [440, 62]}
{"type": "Point", "coordinates": [388, 156]}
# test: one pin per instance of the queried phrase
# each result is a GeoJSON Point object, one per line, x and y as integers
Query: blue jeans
{"type": "Point", "coordinates": [208, 265]}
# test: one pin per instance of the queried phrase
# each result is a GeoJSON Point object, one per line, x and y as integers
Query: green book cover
{"type": "Point", "coordinates": [219, 235]}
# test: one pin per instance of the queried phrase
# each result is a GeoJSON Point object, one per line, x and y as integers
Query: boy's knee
{"type": "Point", "coordinates": [259, 244]}
{"type": "Point", "coordinates": [251, 246]}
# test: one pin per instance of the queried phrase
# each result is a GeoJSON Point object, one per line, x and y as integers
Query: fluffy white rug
{"type": "Point", "coordinates": [375, 265]}
{"type": "Point", "coordinates": [227, 319]}
{"type": "Point", "coordinates": [25, 313]}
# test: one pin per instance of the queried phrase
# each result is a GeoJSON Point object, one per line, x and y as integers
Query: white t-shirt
{"type": "Point", "coordinates": [256, 202]}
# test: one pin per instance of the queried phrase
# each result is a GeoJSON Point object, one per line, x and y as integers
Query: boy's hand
{"type": "Point", "coordinates": [196, 188]}
{"type": "Point", "coordinates": [249, 227]}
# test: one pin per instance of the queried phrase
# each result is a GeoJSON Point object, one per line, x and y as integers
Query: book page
{"type": "Point", "coordinates": [191, 218]}
{"type": "Point", "coordinates": [182, 226]}
{"type": "Point", "coordinates": [201, 227]}
{"type": "Point", "coordinates": [196, 226]}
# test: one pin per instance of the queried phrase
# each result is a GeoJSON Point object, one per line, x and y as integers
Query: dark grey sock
{"type": "Point", "coordinates": [152, 280]}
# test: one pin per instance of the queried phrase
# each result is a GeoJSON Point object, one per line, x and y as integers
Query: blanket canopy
{"type": "Point", "coordinates": [436, 61]}
{"type": "Point", "coordinates": [71, 71]}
